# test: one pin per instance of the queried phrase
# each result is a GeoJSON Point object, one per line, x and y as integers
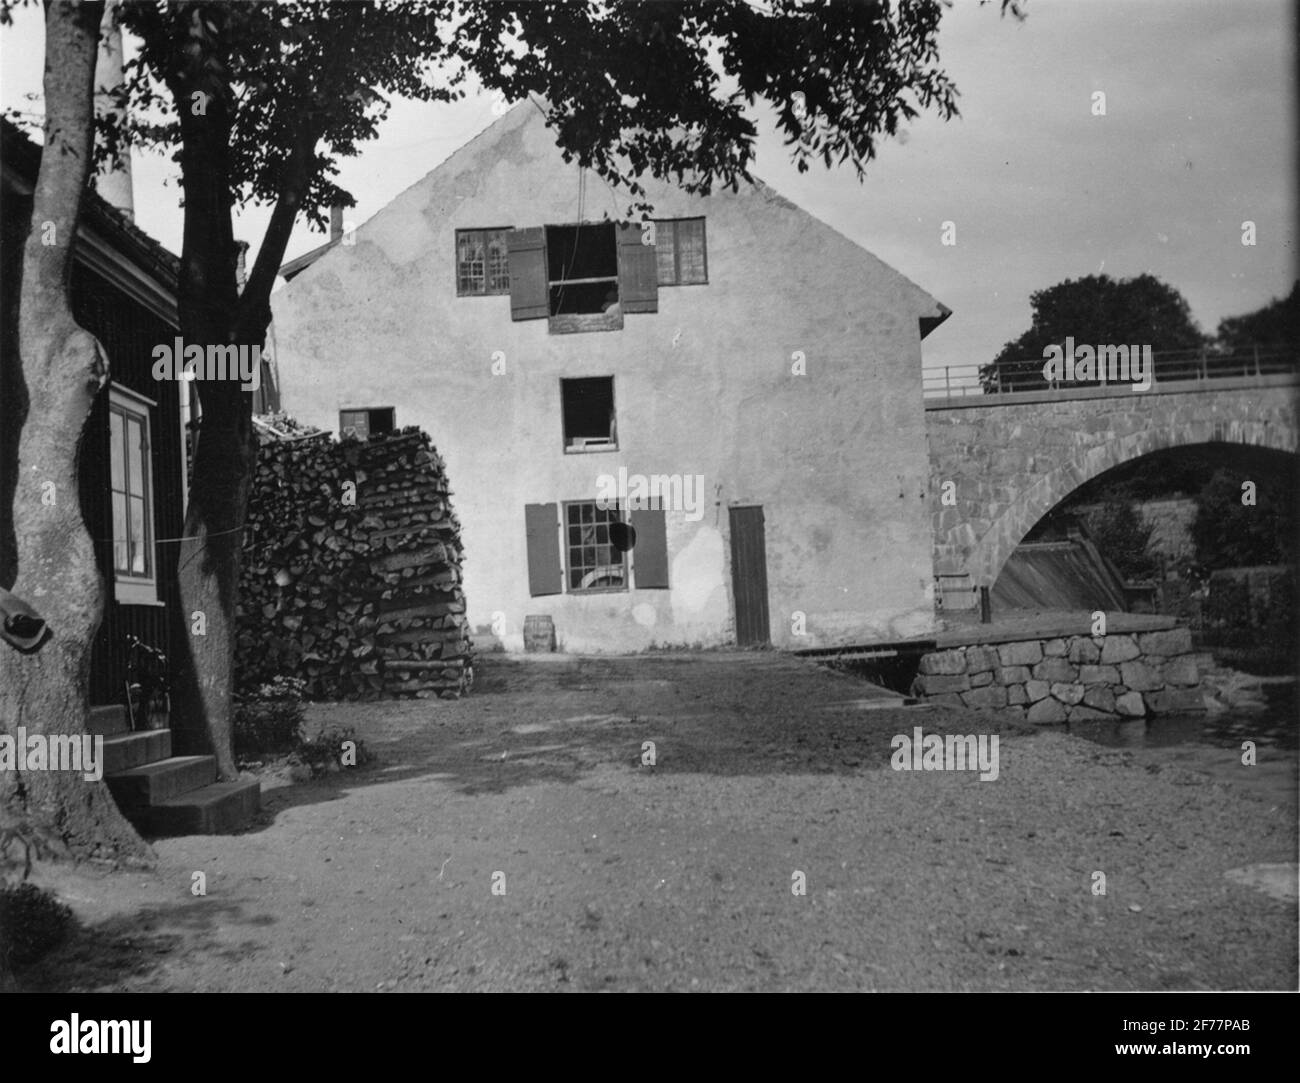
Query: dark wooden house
{"type": "Point", "coordinates": [133, 484]}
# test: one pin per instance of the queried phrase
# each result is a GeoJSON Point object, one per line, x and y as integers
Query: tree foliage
{"type": "Point", "coordinates": [1093, 310]}
{"type": "Point", "coordinates": [1276, 325]}
{"type": "Point", "coordinates": [1229, 531]}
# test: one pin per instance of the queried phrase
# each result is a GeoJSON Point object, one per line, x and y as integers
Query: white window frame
{"type": "Point", "coordinates": [134, 589]}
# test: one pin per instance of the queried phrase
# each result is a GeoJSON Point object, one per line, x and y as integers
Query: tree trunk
{"type": "Point", "coordinates": [61, 368]}
{"type": "Point", "coordinates": [212, 311]}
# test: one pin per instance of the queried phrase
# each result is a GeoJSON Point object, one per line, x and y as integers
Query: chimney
{"type": "Point", "coordinates": [336, 223]}
{"type": "Point", "coordinates": [113, 181]}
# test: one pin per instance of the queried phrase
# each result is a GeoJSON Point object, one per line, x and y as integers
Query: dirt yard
{"type": "Point", "coordinates": [622, 876]}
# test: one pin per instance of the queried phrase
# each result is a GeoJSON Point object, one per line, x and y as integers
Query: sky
{"type": "Point", "coordinates": [1198, 136]}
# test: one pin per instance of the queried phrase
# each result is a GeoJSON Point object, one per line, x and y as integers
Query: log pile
{"type": "Point", "coordinates": [352, 571]}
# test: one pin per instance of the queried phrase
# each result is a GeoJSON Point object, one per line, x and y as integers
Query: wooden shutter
{"type": "Point", "coordinates": [528, 290]}
{"type": "Point", "coordinates": [638, 270]}
{"type": "Point", "coordinates": [650, 555]}
{"type": "Point", "coordinates": [541, 523]}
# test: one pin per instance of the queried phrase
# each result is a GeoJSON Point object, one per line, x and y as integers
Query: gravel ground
{"type": "Point", "coordinates": [621, 876]}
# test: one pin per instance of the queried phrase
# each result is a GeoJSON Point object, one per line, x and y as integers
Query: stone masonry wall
{"type": "Point", "coordinates": [1068, 678]}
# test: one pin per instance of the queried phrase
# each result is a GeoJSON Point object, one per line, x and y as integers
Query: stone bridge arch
{"type": "Point", "coordinates": [1010, 463]}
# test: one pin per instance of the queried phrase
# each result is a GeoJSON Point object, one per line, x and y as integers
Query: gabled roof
{"type": "Point", "coordinates": [503, 140]}
{"type": "Point", "coordinates": [21, 159]}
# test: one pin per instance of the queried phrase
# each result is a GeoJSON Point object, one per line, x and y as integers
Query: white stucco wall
{"type": "Point", "coordinates": [837, 458]}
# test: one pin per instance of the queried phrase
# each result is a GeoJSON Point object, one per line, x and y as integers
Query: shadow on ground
{"type": "Point", "coordinates": [561, 718]}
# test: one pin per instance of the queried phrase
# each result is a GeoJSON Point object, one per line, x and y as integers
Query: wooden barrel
{"type": "Point", "coordinates": [539, 633]}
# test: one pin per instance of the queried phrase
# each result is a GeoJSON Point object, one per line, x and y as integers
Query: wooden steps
{"type": "Point", "coordinates": [162, 794]}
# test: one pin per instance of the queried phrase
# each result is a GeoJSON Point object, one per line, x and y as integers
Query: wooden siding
{"type": "Point", "coordinates": [129, 332]}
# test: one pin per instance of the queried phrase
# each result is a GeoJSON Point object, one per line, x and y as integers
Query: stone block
{"type": "Point", "coordinates": [1100, 698]}
{"type": "Point", "coordinates": [1182, 671]}
{"type": "Point", "coordinates": [1140, 677]}
{"type": "Point", "coordinates": [993, 695]}
{"type": "Point", "coordinates": [1089, 714]}
{"type": "Point", "coordinates": [1020, 654]}
{"type": "Point", "coordinates": [1054, 648]}
{"type": "Point", "coordinates": [1013, 712]}
{"type": "Point", "coordinates": [1068, 693]}
{"type": "Point", "coordinates": [1175, 701]}
{"type": "Point", "coordinates": [1016, 694]}
{"type": "Point", "coordinates": [1173, 641]}
{"type": "Point", "coordinates": [1118, 648]}
{"type": "Point", "coordinates": [944, 663]}
{"type": "Point", "coordinates": [1130, 705]}
{"type": "Point", "coordinates": [1098, 675]}
{"type": "Point", "coordinates": [979, 680]}
{"type": "Point", "coordinates": [1055, 669]}
{"type": "Point", "coordinates": [1037, 690]}
{"type": "Point", "coordinates": [1046, 711]}
{"type": "Point", "coordinates": [1012, 674]}
{"type": "Point", "coordinates": [980, 659]}
{"type": "Point", "coordinates": [1083, 651]}
{"type": "Point", "coordinates": [930, 684]}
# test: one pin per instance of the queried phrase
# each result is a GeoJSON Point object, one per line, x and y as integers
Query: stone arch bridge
{"type": "Point", "coordinates": [1012, 457]}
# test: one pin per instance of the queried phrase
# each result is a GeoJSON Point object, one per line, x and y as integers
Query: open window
{"type": "Point", "coordinates": [368, 422]}
{"type": "Point", "coordinates": [588, 411]}
{"type": "Point", "coordinates": [135, 566]}
{"type": "Point", "coordinates": [583, 277]}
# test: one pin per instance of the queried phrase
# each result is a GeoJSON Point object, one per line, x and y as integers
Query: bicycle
{"type": "Point", "coordinates": [148, 699]}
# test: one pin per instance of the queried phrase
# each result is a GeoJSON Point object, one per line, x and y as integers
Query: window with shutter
{"type": "Point", "coordinates": [597, 560]}
{"type": "Point", "coordinates": [542, 529]}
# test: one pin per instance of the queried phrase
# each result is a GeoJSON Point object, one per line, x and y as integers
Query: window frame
{"type": "Point", "coordinates": [128, 587]}
{"type": "Point", "coordinates": [592, 449]}
{"type": "Point", "coordinates": [366, 410]}
{"type": "Point", "coordinates": [483, 233]}
{"type": "Point", "coordinates": [661, 223]}
{"type": "Point", "coordinates": [566, 547]}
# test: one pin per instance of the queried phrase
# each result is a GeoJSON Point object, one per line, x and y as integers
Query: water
{"type": "Point", "coordinates": [1212, 743]}
{"type": "Point", "coordinates": [1274, 726]}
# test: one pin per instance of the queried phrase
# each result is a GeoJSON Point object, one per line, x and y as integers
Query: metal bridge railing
{"type": "Point", "coordinates": [1170, 366]}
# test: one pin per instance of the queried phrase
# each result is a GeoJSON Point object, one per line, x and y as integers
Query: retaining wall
{"type": "Point", "coordinates": [1068, 678]}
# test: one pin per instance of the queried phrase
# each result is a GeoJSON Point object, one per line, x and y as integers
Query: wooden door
{"type": "Point", "coordinates": [749, 576]}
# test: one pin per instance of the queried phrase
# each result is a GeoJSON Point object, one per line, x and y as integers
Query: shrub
{"type": "Point", "coordinates": [270, 720]}
{"type": "Point", "coordinates": [32, 922]}
{"type": "Point", "coordinates": [326, 749]}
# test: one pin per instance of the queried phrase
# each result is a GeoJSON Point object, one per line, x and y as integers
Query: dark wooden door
{"type": "Point", "coordinates": [749, 575]}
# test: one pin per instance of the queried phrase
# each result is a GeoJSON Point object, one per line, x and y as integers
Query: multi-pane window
{"type": "Point", "coordinates": [363, 424]}
{"type": "Point", "coordinates": [681, 252]}
{"type": "Point", "coordinates": [482, 262]}
{"type": "Point", "coordinates": [132, 498]}
{"type": "Point", "coordinates": [592, 561]}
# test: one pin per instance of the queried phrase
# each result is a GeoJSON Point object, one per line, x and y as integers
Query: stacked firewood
{"type": "Point", "coordinates": [352, 571]}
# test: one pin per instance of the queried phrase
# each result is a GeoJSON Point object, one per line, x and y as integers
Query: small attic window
{"type": "Point", "coordinates": [582, 268]}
